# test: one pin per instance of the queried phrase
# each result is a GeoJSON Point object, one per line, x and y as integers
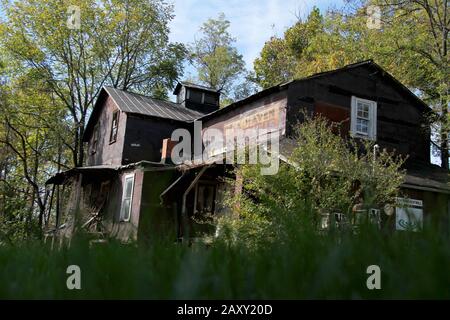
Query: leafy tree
{"type": "Point", "coordinates": [420, 32]}
{"type": "Point", "coordinates": [217, 61]}
{"type": "Point", "coordinates": [283, 59]}
{"type": "Point", "coordinates": [411, 43]}
{"type": "Point", "coordinates": [33, 137]}
{"type": "Point", "coordinates": [118, 42]}
{"type": "Point", "coordinates": [275, 64]}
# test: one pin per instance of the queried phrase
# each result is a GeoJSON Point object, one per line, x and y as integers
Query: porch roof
{"type": "Point", "coordinates": [61, 177]}
{"type": "Point", "coordinates": [107, 170]}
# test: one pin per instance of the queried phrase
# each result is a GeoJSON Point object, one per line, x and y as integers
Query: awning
{"type": "Point", "coordinates": [104, 171]}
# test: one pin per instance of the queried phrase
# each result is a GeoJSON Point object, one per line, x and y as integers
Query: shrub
{"type": "Point", "coordinates": [325, 173]}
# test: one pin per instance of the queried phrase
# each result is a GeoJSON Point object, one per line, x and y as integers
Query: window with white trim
{"type": "Point", "coordinates": [127, 198]}
{"type": "Point", "coordinates": [364, 118]}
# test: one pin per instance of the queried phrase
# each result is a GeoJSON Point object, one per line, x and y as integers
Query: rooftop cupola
{"type": "Point", "coordinates": [197, 97]}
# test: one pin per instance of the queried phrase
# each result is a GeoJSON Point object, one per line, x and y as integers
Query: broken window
{"type": "Point", "coordinates": [114, 127]}
{"type": "Point", "coordinates": [127, 198]}
{"type": "Point", "coordinates": [103, 194]}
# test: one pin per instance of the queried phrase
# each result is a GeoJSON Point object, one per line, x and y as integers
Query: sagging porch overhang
{"type": "Point", "coordinates": [106, 171]}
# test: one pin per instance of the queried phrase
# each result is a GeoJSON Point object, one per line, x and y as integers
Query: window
{"type": "Point", "coordinates": [95, 140]}
{"type": "Point", "coordinates": [210, 99]}
{"type": "Point", "coordinates": [196, 96]}
{"type": "Point", "coordinates": [127, 198]}
{"type": "Point", "coordinates": [114, 127]}
{"type": "Point", "coordinates": [364, 118]}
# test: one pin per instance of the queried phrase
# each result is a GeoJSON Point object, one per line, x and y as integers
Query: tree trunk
{"type": "Point", "coordinates": [444, 139]}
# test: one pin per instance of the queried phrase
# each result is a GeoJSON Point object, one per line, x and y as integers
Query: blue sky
{"type": "Point", "coordinates": [253, 22]}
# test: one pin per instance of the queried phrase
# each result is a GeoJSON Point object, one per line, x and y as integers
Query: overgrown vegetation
{"type": "Point", "coordinates": [51, 74]}
{"type": "Point", "coordinates": [325, 173]}
{"type": "Point", "coordinates": [308, 266]}
{"type": "Point", "coordinates": [268, 248]}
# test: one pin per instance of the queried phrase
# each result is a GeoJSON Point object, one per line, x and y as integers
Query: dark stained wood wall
{"type": "Point", "coordinates": [400, 121]}
{"type": "Point", "coordinates": [106, 152]}
{"type": "Point", "coordinates": [144, 137]}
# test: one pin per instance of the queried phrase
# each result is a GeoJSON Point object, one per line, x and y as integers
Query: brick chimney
{"type": "Point", "coordinates": [166, 151]}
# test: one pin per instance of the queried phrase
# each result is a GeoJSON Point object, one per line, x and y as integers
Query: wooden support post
{"type": "Point", "coordinates": [76, 212]}
{"type": "Point", "coordinates": [184, 216]}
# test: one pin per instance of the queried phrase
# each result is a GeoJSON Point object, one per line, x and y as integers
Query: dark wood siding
{"type": "Point", "coordinates": [144, 137]}
{"type": "Point", "coordinates": [400, 121]}
{"type": "Point", "coordinates": [106, 152]}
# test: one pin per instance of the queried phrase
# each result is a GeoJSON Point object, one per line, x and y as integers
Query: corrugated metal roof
{"type": "Point", "coordinates": [135, 103]}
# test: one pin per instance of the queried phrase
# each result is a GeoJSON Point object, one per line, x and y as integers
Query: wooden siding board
{"type": "Point", "coordinates": [400, 123]}
{"type": "Point", "coordinates": [276, 100]}
{"type": "Point", "coordinates": [106, 152]}
{"type": "Point", "coordinates": [144, 138]}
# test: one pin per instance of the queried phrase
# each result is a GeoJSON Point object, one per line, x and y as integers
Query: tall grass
{"type": "Point", "coordinates": [413, 265]}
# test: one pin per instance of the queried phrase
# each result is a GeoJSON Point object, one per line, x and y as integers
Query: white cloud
{"type": "Point", "coordinates": [253, 22]}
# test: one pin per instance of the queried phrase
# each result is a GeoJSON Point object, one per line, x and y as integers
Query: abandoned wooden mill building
{"type": "Point", "coordinates": [130, 185]}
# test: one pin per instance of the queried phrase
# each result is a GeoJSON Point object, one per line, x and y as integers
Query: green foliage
{"type": "Point", "coordinates": [118, 43]}
{"type": "Point", "coordinates": [308, 267]}
{"type": "Point", "coordinates": [324, 173]}
{"type": "Point", "coordinates": [274, 65]}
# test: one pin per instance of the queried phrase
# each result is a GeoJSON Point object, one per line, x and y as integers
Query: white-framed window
{"type": "Point", "coordinates": [127, 197]}
{"type": "Point", "coordinates": [364, 118]}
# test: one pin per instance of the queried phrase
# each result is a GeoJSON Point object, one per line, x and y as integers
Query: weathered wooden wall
{"type": "Point", "coordinates": [106, 152]}
{"type": "Point", "coordinates": [124, 230]}
{"type": "Point", "coordinates": [268, 112]}
{"type": "Point", "coordinates": [144, 137]}
{"type": "Point", "coordinates": [157, 221]}
{"type": "Point", "coordinates": [401, 124]}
